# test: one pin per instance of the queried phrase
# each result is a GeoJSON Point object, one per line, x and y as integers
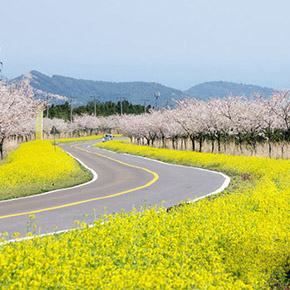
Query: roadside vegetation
{"type": "Point", "coordinates": [37, 167]}
{"type": "Point", "coordinates": [239, 240]}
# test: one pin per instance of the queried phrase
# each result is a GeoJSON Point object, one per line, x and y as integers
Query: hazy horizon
{"type": "Point", "coordinates": [175, 43]}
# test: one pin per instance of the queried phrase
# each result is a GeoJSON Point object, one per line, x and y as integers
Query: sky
{"type": "Point", "coordinates": [178, 43]}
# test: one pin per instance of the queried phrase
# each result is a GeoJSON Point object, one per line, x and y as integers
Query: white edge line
{"type": "Point", "coordinates": [95, 177]}
{"type": "Point", "coordinates": [43, 235]}
{"type": "Point", "coordinates": [106, 150]}
{"type": "Point", "coordinates": [220, 189]}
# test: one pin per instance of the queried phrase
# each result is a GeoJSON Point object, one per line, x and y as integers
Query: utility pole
{"type": "Point", "coordinates": [121, 106]}
{"type": "Point", "coordinates": [47, 106]}
{"type": "Point", "coordinates": [71, 99]}
{"type": "Point", "coordinates": [95, 104]}
{"type": "Point", "coordinates": [145, 100]}
{"type": "Point", "coordinates": [156, 95]}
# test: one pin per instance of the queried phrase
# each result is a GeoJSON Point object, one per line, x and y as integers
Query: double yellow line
{"type": "Point", "coordinates": [155, 178]}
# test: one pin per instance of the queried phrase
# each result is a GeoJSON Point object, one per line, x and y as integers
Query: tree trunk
{"type": "Point", "coordinates": [212, 144]}
{"type": "Point", "coordinates": [1, 147]}
{"type": "Point", "coordinates": [225, 143]}
{"type": "Point", "coordinates": [270, 148]}
{"type": "Point", "coordinates": [200, 143]}
{"type": "Point", "coordinates": [283, 144]}
{"type": "Point", "coordinates": [219, 142]}
{"type": "Point", "coordinates": [255, 146]}
{"type": "Point", "coordinates": [240, 143]}
{"type": "Point", "coordinates": [173, 144]}
{"type": "Point", "coordinates": [163, 141]}
{"type": "Point", "coordinates": [185, 143]}
{"type": "Point", "coordinates": [192, 142]}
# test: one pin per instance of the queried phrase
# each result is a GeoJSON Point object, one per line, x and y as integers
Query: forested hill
{"type": "Point", "coordinates": [82, 90]}
{"type": "Point", "coordinates": [134, 92]}
{"type": "Point", "coordinates": [209, 90]}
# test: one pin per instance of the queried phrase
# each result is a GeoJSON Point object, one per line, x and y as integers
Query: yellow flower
{"type": "Point", "coordinates": [236, 241]}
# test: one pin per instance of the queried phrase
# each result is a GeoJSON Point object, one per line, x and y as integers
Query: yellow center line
{"type": "Point", "coordinates": [155, 178]}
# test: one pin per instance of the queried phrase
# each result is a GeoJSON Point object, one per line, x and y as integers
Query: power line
{"type": "Point", "coordinates": [95, 104]}
{"type": "Point", "coordinates": [145, 100]}
{"type": "Point", "coordinates": [71, 99]}
{"type": "Point", "coordinates": [121, 106]}
{"type": "Point", "coordinates": [156, 95]}
{"type": "Point", "coordinates": [47, 106]}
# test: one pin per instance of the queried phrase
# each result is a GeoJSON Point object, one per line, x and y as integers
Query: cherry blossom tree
{"type": "Point", "coordinates": [270, 119]}
{"type": "Point", "coordinates": [281, 108]}
{"type": "Point", "coordinates": [169, 128]}
{"type": "Point", "coordinates": [87, 123]}
{"type": "Point", "coordinates": [17, 107]}
{"type": "Point", "coordinates": [218, 120]}
{"type": "Point", "coordinates": [60, 125]}
{"type": "Point", "coordinates": [107, 124]}
{"type": "Point", "coordinates": [214, 122]}
{"type": "Point", "coordinates": [191, 116]}
{"type": "Point", "coordinates": [243, 119]}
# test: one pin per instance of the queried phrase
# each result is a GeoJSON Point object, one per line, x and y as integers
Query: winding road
{"type": "Point", "coordinates": [122, 181]}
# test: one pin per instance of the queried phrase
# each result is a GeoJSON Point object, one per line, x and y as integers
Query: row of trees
{"type": "Point", "coordinates": [219, 120]}
{"type": "Point", "coordinates": [20, 103]}
{"type": "Point", "coordinates": [238, 119]}
{"type": "Point", "coordinates": [18, 109]}
{"type": "Point", "coordinates": [81, 124]}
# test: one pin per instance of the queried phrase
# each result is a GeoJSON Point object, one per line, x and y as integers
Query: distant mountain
{"type": "Point", "coordinates": [217, 89]}
{"type": "Point", "coordinates": [83, 90]}
{"type": "Point", "coordinates": [134, 92]}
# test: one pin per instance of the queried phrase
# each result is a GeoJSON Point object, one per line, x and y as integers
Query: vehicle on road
{"type": "Point", "coordinates": [108, 137]}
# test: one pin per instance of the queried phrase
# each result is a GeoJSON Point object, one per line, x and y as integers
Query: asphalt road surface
{"type": "Point", "coordinates": [122, 181]}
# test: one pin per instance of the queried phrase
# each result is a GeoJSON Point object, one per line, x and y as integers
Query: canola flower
{"type": "Point", "coordinates": [38, 166]}
{"type": "Point", "coordinates": [235, 241]}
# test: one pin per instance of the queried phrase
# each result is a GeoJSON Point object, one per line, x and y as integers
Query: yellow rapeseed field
{"type": "Point", "coordinates": [38, 166]}
{"type": "Point", "coordinates": [239, 240]}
